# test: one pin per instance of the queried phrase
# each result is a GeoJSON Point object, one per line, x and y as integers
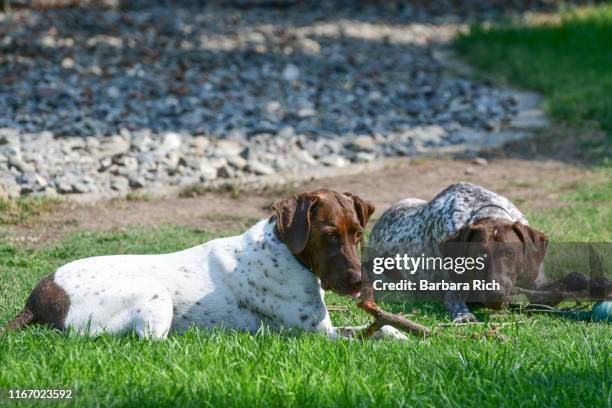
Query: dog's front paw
{"type": "Point", "coordinates": [465, 318]}
{"type": "Point", "coordinates": [389, 332]}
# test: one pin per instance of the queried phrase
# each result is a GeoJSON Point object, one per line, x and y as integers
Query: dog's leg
{"type": "Point", "coordinates": [154, 318]}
{"type": "Point", "coordinates": [457, 309]}
{"type": "Point", "coordinates": [385, 332]}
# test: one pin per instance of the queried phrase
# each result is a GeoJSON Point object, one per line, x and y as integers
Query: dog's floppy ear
{"type": "Point", "coordinates": [364, 208]}
{"type": "Point", "coordinates": [534, 245]}
{"type": "Point", "coordinates": [449, 248]}
{"type": "Point", "coordinates": [293, 220]}
{"type": "Point", "coordinates": [463, 234]}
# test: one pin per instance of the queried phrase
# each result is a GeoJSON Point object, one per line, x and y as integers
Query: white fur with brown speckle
{"type": "Point", "coordinates": [238, 282]}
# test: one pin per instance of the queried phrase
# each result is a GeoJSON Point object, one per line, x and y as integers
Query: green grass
{"type": "Point", "coordinates": [546, 362]}
{"type": "Point", "coordinates": [586, 214]}
{"type": "Point", "coordinates": [25, 208]}
{"type": "Point", "coordinates": [567, 60]}
{"type": "Point", "coordinates": [576, 223]}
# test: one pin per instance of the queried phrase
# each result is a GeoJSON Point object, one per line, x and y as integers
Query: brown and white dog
{"type": "Point", "coordinates": [461, 221]}
{"type": "Point", "coordinates": [273, 274]}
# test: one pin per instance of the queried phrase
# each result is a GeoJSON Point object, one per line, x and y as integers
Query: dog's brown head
{"type": "Point", "coordinates": [322, 229]}
{"type": "Point", "coordinates": [514, 254]}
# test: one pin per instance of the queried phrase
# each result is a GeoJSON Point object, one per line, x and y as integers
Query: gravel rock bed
{"type": "Point", "coordinates": [97, 100]}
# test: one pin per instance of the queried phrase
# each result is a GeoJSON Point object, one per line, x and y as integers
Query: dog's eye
{"type": "Point", "coordinates": [358, 235]}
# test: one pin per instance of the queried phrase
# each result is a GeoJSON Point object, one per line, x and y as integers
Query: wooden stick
{"type": "Point", "coordinates": [382, 318]}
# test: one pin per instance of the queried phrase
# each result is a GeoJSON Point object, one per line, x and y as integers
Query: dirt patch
{"type": "Point", "coordinates": [532, 185]}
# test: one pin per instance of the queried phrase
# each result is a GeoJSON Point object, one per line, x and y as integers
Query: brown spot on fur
{"type": "Point", "coordinates": [47, 304]}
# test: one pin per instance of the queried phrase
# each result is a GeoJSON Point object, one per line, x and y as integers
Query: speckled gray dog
{"type": "Point", "coordinates": [464, 212]}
